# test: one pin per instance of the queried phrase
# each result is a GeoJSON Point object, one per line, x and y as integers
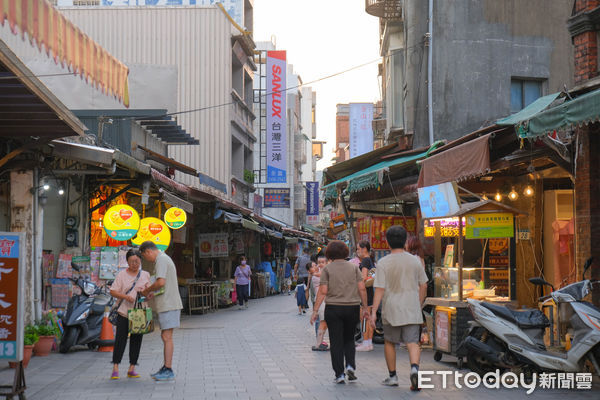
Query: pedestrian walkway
{"type": "Point", "coordinates": [259, 353]}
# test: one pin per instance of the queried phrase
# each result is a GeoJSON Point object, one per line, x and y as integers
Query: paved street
{"type": "Point", "coordinates": [260, 353]}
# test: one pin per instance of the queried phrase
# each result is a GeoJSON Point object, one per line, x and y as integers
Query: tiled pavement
{"type": "Point", "coordinates": [259, 353]}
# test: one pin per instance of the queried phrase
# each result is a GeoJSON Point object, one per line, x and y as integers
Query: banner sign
{"type": "Point", "coordinates": [121, 222]}
{"type": "Point", "coordinates": [12, 268]}
{"type": "Point", "coordinates": [439, 200]}
{"type": "Point", "coordinates": [490, 225]}
{"type": "Point", "coordinates": [364, 229]}
{"type": "Point", "coordinates": [276, 117]}
{"type": "Point", "coordinates": [361, 128]}
{"type": "Point", "coordinates": [312, 203]}
{"type": "Point", "coordinates": [258, 204]}
{"type": "Point", "coordinates": [155, 230]}
{"type": "Point", "coordinates": [213, 245]}
{"type": "Point", "coordinates": [175, 218]}
{"type": "Point", "coordinates": [379, 225]}
{"type": "Point", "coordinates": [277, 198]}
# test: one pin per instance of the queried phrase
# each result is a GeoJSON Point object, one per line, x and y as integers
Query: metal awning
{"type": "Point", "coordinates": [168, 161]}
{"type": "Point", "coordinates": [91, 155]}
{"type": "Point", "coordinates": [274, 233]}
{"type": "Point", "coordinates": [528, 112]}
{"type": "Point", "coordinates": [28, 108]}
{"type": "Point", "coordinates": [166, 129]}
{"type": "Point", "coordinates": [176, 201]}
{"type": "Point", "coordinates": [570, 113]}
{"type": "Point", "coordinates": [252, 225]}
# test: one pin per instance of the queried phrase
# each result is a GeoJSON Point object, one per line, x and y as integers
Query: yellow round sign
{"type": "Point", "coordinates": [175, 218]}
{"type": "Point", "coordinates": [155, 230]}
{"type": "Point", "coordinates": [121, 222]}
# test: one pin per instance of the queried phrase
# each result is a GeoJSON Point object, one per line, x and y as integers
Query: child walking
{"type": "Point", "coordinates": [301, 297]}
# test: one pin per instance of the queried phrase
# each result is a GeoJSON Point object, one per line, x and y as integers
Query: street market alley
{"type": "Point", "coordinates": [260, 353]}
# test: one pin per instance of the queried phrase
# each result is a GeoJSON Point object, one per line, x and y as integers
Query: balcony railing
{"type": "Point", "coordinates": [299, 197]}
{"type": "Point", "coordinates": [390, 10]}
{"type": "Point", "coordinates": [242, 114]}
{"type": "Point", "coordinates": [299, 149]}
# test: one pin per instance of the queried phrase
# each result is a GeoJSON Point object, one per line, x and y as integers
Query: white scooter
{"type": "Point", "coordinates": [505, 339]}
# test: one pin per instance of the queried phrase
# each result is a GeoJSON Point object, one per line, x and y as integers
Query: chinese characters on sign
{"type": "Point", "coordinates": [361, 129]}
{"type": "Point", "coordinates": [277, 198]}
{"type": "Point", "coordinates": [312, 203]}
{"type": "Point", "coordinates": [373, 229]}
{"type": "Point", "coordinates": [448, 227]}
{"type": "Point", "coordinates": [492, 225]}
{"type": "Point", "coordinates": [214, 245]}
{"type": "Point", "coordinates": [276, 117]}
{"type": "Point", "coordinates": [10, 281]}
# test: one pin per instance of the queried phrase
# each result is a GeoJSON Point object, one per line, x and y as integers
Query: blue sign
{"type": "Point", "coordinates": [276, 118]}
{"type": "Point", "coordinates": [439, 200]}
{"type": "Point", "coordinates": [312, 203]}
{"type": "Point", "coordinates": [276, 198]}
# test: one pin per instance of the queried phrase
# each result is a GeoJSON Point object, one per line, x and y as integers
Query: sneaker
{"type": "Point", "coordinates": [390, 381]}
{"type": "Point", "coordinates": [323, 347]}
{"type": "Point", "coordinates": [303, 311]}
{"type": "Point", "coordinates": [160, 371]}
{"type": "Point", "coordinates": [351, 373]}
{"type": "Point", "coordinates": [132, 374]}
{"type": "Point", "coordinates": [115, 375]}
{"type": "Point", "coordinates": [364, 347]}
{"type": "Point", "coordinates": [414, 381]}
{"type": "Point", "coordinates": [166, 375]}
{"type": "Point", "coordinates": [240, 307]}
{"type": "Point", "coordinates": [340, 380]}
{"type": "Point", "coordinates": [246, 306]}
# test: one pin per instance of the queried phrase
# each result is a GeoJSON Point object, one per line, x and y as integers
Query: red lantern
{"type": "Point", "coordinates": [268, 249]}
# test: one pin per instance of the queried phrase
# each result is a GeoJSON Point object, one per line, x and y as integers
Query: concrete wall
{"type": "Point", "coordinates": [478, 45]}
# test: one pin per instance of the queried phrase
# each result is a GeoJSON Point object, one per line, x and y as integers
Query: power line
{"type": "Point", "coordinates": [37, 76]}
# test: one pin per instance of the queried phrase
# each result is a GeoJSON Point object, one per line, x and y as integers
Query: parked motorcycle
{"type": "Point", "coordinates": [513, 340]}
{"type": "Point", "coordinates": [82, 320]}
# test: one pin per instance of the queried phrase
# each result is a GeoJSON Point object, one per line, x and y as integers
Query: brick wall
{"type": "Point", "coordinates": [587, 200]}
{"type": "Point", "coordinates": [586, 45]}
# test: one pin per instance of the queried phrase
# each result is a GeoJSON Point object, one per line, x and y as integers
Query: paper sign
{"type": "Point", "coordinates": [175, 218]}
{"type": "Point", "coordinates": [155, 230]}
{"type": "Point", "coordinates": [490, 225]}
{"type": "Point", "coordinates": [121, 222]}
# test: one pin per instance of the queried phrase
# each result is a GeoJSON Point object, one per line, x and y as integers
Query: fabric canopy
{"type": "Point", "coordinates": [68, 44]}
{"type": "Point", "coordinates": [372, 176]}
{"type": "Point", "coordinates": [571, 113]}
{"type": "Point", "coordinates": [528, 112]}
{"type": "Point", "coordinates": [465, 161]}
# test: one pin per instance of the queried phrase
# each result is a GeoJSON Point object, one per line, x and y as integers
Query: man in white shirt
{"type": "Point", "coordinates": [401, 287]}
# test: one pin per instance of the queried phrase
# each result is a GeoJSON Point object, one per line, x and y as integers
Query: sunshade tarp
{"type": "Point", "coordinates": [530, 111]}
{"type": "Point", "coordinates": [369, 178]}
{"type": "Point", "coordinates": [580, 111]}
{"type": "Point", "coordinates": [464, 161]}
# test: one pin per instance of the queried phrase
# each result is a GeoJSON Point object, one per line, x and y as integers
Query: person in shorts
{"type": "Point", "coordinates": [288, 277]}
{"type": "Point", "coordinates": [167, 305]}
{"type": "Point", "coordinates": [401, 287]}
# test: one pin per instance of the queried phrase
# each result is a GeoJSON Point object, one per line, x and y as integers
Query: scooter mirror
{"type": "Point", "coordinates": [540, 282]}
{"type": "Point", "coordinates": [587, 266]}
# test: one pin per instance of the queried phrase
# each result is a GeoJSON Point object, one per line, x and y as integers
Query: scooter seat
{"type": "Point", "coordinates": [526, 319]}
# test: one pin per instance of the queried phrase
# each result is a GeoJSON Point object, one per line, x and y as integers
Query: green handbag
{"type": "Point", "coordinates": [140, 319]}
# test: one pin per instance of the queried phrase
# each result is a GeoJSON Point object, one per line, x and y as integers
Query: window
{"type": "Point", "coordinates": [523, 93]}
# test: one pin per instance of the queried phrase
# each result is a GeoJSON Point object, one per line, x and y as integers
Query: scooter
{"type": "Point", "coordinates": [505, 339]}
{"type": "Point", "coordinates": [82, 320]}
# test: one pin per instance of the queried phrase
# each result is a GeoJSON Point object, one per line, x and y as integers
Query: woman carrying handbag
{"type": "Point", "coordinates": [126, 286]}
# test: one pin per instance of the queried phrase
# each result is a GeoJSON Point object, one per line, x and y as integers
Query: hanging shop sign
{"type": "Point", "coordinates": [213, 245]}
{"type": "Point", "coordinates": [12, 265]}
{"type": "Point", "coordinates": [277, 198]}
{"type": "Point", "coordinates": [439, 200]}
{"type": "Point", "coordinates": [276, 117]}
{"type": "Point", "coordinates": [121, 222]}
{"type": "Point", "coordinates": [155, 230]}
{"type": "Point", "coordinates": [364, 229]}
{"type": "Point", "coordinates": [175, 218]}
{"type": "Point", "coordinates": [361, 128]}
{"type": "Point", "coordinates": [312, 203]}
{"type": "Point", "coordinates": [490, 225]}
{"type": "Point", "coordinates": [448, 227]}
{"type": "Point", "coordinates": [379, 225]}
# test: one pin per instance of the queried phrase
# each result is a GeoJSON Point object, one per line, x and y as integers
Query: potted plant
{"type": "Point", "coordinates": [29, 340]}
{"type": "Point", "coordinates": [47, 334]}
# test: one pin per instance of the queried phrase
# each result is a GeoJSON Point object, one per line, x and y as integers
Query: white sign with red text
{"type": "Point", "coordinates": [276, 117]}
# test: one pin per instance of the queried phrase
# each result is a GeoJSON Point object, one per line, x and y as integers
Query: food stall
{"type": "Point", "coordinates": [479, 261]}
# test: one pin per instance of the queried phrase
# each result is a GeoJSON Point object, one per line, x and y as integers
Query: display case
{"type": "Point", "coordinates": [479, 283]}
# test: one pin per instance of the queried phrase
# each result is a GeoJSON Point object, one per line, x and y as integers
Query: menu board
{"type": "Point", "coordinates": [442, 330]}
{"type": "Point", "coordinates": [213, 245]}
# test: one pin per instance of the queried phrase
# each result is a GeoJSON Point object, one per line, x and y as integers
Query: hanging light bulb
{"type": "Point", "coordinates": [528, 191]}
{"type": "Point", "coordinates": [46, 186]}
{"type": "Point", "coordinates": [513, 195]}
{"type": "Point", "coordinates": [484, 197]}
{"type": "Point", "coordinates": [498, 197]}
{"type": "Point", "coordinates": [61, 191]}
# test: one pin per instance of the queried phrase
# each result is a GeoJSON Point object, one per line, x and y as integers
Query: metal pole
{"type": "Point", "coordinates": [460, 258]}
{"type": "Point", "coordinates": [353, 240]}
{"type": "Point", "coordinates": [430, 73]}
{"type": "Point", "coordinates": [36, 266]}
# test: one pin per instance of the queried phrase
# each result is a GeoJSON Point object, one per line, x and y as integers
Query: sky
{"type": "Point", "coordinates": [323, 37]}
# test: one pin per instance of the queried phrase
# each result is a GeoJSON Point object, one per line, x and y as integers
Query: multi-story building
{"type": "Point", "coordinates": [452, 66]}
{"type": "Point", "coordinates": [210, 50]}
{"type": "Point", "coordinates": [300, 132]}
